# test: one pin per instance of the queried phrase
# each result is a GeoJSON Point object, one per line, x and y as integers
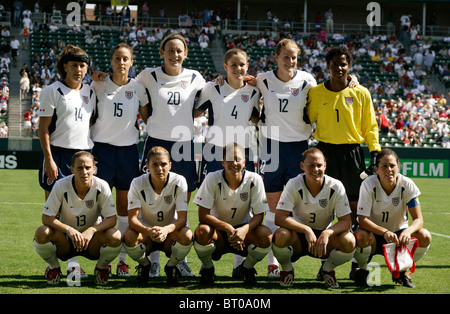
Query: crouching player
{"type": "Point", "coordinates": [157, 215]}
{"type": "Point", "coordinates": [304, 213]}
{"type": "Point", "coordinates": [70, 221]}
{"type": "Point", "coordinates": [384, 203]}
{"type": "Point", "coordinates": [232, 205]}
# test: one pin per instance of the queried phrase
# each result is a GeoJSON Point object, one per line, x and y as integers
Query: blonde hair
{"type": "Point", "coordinates": [284, 43]}
{"type": "Point", "coordinates": [157, 151]}
{"type": "Point", "coordinates": [234, 51]}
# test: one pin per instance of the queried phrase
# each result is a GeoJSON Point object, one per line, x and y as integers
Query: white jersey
{"type": "Point", "coordinates": [232, 206]}
{"type": "Point", "coordinates": [284, 104]}
{"type": "Point", "coordinates": [116, 112]}
{"type": "Point", "coordinates": [71, 111]}
{"type": "Point", "coordinates": [319, 211]}
{"type": "Point", "coordinates": [158, 209]}
{"type": "Point", "coordinates": [171, 102]}
{"type": "Point", "coordinates": [388, 211]}
{"type": "Point", "coordinates": [229, 112]}
{"type": "Point", "coordinates": [80, 214]}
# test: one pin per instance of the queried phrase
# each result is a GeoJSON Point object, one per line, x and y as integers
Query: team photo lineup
{"type": "Point", "coordinates": [265, 192]}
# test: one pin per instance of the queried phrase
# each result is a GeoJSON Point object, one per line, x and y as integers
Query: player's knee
{"type": "Point", "coordinates": [362, 238]}
{"type": "Point", "coordinates": [348, 242]}
{"type": "Point", "coordinates": [264, 236]}
{"type": "Point", "coordinates": [203, 234]}
{"type": "Point", "coordinates": [185, 237]}
{"type": "Point", "coordinates": [42, 234]}
{"type": "Point", "coordinates": [424, 237]}
{"type": "Point", "coordinates": [115, 238]}
{"type": "Point", "coordinates": [130, 238]}
{"type": "Point", "coordinates": [281, 237]}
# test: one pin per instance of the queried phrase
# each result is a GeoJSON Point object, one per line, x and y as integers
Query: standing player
{"type": "Point", "coordinates": [64, 118]}
{"type": "Point", "coordinates": [115, 133]}
{"type": "Point", "coordinates": [157, 211]}
{"type": "Point", "coordinates": [231, 211]}
{"type": "Point", "coordinates": [344, 119]}
{"type": "Point", "coordinates": [173, 90]}
{"type": "Point", "coordinates": [284, 131]}
{"type": "Point", "coordinates": [70, 221]}
{"type": "Point", "coordinates": [384, 204]}
{"type": "Point", "coordinates": [306, 209]}
{"type": "Point", "coordinates": [231, 106]}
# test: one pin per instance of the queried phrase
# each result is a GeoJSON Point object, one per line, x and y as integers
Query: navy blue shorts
{"type": "Point", "coordinates": [185, 167]}
{"type": "Point", "coordinates": [63, 160]}
{"type": "Point", "coordinates": [117, 165]}
{"type": "Point", "coordinates": [277, 168]}
{"type": "Point", "coordinates": [227, 248]}
{"type": "Point", "coordinates": [208, 166]}
{"type": "Point", "coordinates": [304, 243]}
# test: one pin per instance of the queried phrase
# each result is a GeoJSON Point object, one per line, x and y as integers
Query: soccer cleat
{"type": "Point", "coordinates": [172, 273]}
{"type": "Point", "coordinates": [154, 270]}
{"type": "Point", "coordinates": [207, 276]}
{"type": "Point", "coordinates": [273, 271]}
{"type": "Point", "coordinates": [286, 278]}
{"type": "Point", "coordinates": [330, 279]}
{"type": "Point", "coordinates": [359, 276]}
{"type": "Point", "coordinates": [404, 279]}
{"type": "Point", "coordinates": [184, 269]}
{"type": "Point", "coordinates": [249, 275]}
{"type": "Point", "coordinates": [101, 276]}
{"type": "Point", "coordinates": [122, 269]}
{"type": "Point", "coordinates": [79, 272]}
{"type": "Point", "coordinates": [142, 274]}
{"type": "Point", "coordinates": [53, 275]}
{"type": "Point", "coordinates": [237, 273]}
{"type": "Point", "coordinates": [319, 276]}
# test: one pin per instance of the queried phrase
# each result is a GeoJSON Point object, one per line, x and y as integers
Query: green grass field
{"type": "Point", "coordinates": [21, 269]}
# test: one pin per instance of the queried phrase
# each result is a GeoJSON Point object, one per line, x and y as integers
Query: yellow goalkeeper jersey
{"type": "Point", "coordinates": [344, 117]}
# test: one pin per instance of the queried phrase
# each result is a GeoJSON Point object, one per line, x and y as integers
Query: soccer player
{"type": "Point", "coordinates": [173, 90]}
{"type": "Point", "coordinates": [70, 225]}
{"type": "Point", "coordinates": [157, 212]}
{"type": "Point", "coordinates": [306, 209]}
{"type": "Point", "coordinates": [64, 118]}
{"type": "Point", "coordinates": [231, 106]}
{"type": "Point", "coordinates": [284, 133]}
{"type": "Point", "coordinates": [344, 119]}
{"type": "Point", "coordinates": [115, 133]}
{"type": "Point", "coordinates": [231, 211]}
{"type": "Point", "coordinates": [385, 201]}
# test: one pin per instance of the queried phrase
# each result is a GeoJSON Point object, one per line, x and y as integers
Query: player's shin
{"type": "Point", "coordinates": [255, 254]}
{"type": "Point", "coordinates": [48, 253]}
{"type": "Point", "coordinates": [137, 253]}
{"type": "Point", "coordinates": [362, 256]}
{"type": "Point", "coordinates": [107, 255]}
{"type": "Point", "coordinates": [335, 259]}
{"type": "Point", "coordinates": [283, 256]}
{"type": "Point", "coordinates": [179, 252]}
{"type": "Point", "coordinates": [204, 253]}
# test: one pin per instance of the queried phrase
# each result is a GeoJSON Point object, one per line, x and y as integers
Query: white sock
{"type": "Point", "coordinates": [179, 252]}
{"type": "Point", "coordinates": [255, 254]}
{"type": "Point", "coordinates": [137, 253]}
{"type": "Point", "coordinates": [122, 226]}
{"type": "Point", "coordinates": [284, 254]}
{"type": "Point", "coordinates": [48, 253]}
{"type": "Point", "coordinates": [269, 222]}
{"type": "Point", "coordinates": [154, 257]}
{"type": "Point", "coordinates": [238, 260]}
{"type": "Point", "coordinates": [335, 259]}
{"type": "Point", "coordinates": [72, 262]}
{"type": "Point", "coordinates": [204, 253]}
{"type": "Point", "coordinates": [362, 256]}
{"type": "Point", "coordinates": [107, 255]}
{"type": "Point", "coordinates": [420, 252]}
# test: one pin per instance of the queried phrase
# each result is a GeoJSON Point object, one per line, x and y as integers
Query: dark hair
{"type": "Point", "coordinates": [339, 51]}
{"type": "Point", "coordinates": [169, 38]}
{"type": "Point", "coordinates": [70, 53]}
{"type": "Point", "coordinates": [386, 152]}
{"type": "Point", "coordinates": [122, 45]}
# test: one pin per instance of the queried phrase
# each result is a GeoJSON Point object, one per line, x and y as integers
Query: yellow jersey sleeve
{"type": "Point", "coordinates": [344, 117]}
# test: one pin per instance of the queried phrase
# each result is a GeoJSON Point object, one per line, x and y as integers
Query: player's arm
{"type": "Point", "coordinates": [72, 233]}
{"type": "Point", "coordinates": [205, 217]}
{"type": "Point", "coordinates": [343, 224]}
{"type": "Point", "coordinates": [51, 170]}
{"type": "Point", "coordinates": [143, 112]}
{"type": "Point", "coordinates": [88, 234]}
{"type": "Point", "coordinates": [135, 224]}
{"type": "Point", "coordinates": [416, 224]}
{"type": "Point", "coordinates": [160, 233]}
{"type": "Point", "coordinates": [284, 220]}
